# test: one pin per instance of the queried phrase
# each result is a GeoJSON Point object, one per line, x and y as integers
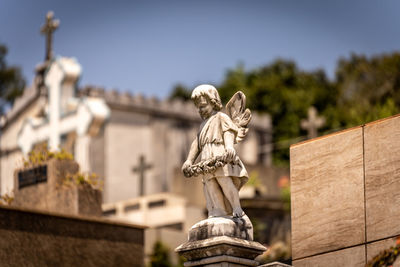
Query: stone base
{"type": "Point", "coordinates": [275, 264]}
{"type": "Point", "coordinates": [222, 226]}
{"type": "Point", "coordinates": [221, 241]}
{"type": "Point", "coordinates": [222, 261]}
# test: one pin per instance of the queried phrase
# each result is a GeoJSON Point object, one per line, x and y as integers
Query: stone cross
{"type": "Point", "coordinates": [313, 123]}
{"type": "Point", "coordinates": [141, 168]}
{"type": "Point", "coordinates": [85, 118]}
{"type": "Point", "coordinates": [48, 29]}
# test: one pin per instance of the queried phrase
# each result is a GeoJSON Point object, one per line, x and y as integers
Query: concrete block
{"type": "Point", "coordinates": [54, 194]}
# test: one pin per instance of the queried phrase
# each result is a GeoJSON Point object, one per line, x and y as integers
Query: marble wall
{"type": "Point", "coordinates": [345, 194]}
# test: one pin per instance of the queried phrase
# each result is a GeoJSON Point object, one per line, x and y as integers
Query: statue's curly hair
{"type": "Point", "coordinates": [210, 92]}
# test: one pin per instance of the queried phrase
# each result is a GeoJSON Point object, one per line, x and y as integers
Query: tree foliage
{"type": "Point", "coordinates": [11, 81]}
{"type": "Point", "coordinates": [180, 92]}
{"type": "Point", "coordinates": [364, 89]}
{"type": "Point", "coordinates": [283, 91]}
{"type": "Point", "coordinates": [160, 256]}
{"type": "Point", "coordinates": [369, 88]}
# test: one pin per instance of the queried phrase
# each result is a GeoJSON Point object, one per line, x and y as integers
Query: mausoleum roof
{"type": "Point", "coordinates": [176, 108]}
{"type": "Point", "coordinates": [169, 108]}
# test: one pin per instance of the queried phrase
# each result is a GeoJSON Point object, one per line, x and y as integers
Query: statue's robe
{"type": "Point", "coordinates": [211, 144]}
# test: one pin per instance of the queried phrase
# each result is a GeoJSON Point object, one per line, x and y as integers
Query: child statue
{"type": "Point", "coordinates": [223, 172]}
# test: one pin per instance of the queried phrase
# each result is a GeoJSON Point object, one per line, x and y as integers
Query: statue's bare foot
{"type": "Point", "coordinates": [238, 212]}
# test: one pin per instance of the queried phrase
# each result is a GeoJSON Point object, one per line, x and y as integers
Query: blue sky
{"type": "Point", "coordinates": [148, 46]}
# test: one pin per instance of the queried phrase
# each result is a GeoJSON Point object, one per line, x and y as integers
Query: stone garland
{"type": "Point", "coordinates": [208, 166]}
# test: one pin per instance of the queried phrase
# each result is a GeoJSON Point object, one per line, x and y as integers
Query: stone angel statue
{"type": "Point", "coordinates": [222, 170]}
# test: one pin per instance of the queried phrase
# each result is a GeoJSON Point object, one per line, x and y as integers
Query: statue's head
{"type": "Point", "coordinates": [210, 93]}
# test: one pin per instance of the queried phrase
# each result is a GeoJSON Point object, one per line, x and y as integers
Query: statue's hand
{"type": "Point", "coordinates": [238, 212]}
{"type": "Point", "coordinates": [186, 168]}
{"type": "Point", "coordinates": [230, 154]}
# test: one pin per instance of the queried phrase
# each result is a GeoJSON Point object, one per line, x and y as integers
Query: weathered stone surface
{"type": "Point", "coordinates": [30, 238]}
{"type": "Point", "coordinates": [275, 264]}
{"type": "Point", "coordinates": [222, 261]}
{"type": "Point", "coordinates": [221, 241]}
{"type": "Point", "coordinates": [222, 226]}
{"type": "Point", "coordinates": [327, 188]}
{"type": "Point", "coordinates": [354, 257]}
{"type": "Point", "coordinates": [218, 163]}
{"type": "Point", "coordinates": [89, 200]}
{"type": "Point", "coordinates": [54, 195]}
{"type": "Point", "coordinates": [220, 245]}
{"type": "Point", "coordinates": [382, 178]}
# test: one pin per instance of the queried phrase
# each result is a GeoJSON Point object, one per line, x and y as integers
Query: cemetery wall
{"type": "Point", "coordinates": [345, 195]}
{"type": "Point", "coordinates": [31, 238]}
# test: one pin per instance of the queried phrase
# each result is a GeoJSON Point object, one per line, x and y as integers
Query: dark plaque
{"type": "Point", "coordinates": [32, 176]}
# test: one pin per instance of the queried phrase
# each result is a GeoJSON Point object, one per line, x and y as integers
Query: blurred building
{"type": "Point", "coordinates": [135, 144]}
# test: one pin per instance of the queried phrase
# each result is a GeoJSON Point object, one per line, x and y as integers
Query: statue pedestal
{"type": "Point", "coordinates": [221, 241]}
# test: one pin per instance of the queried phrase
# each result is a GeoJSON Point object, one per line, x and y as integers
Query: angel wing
{"type": "Point", "coordinates": [240, 115]}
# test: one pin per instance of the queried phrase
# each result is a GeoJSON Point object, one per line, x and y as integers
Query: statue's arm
{"type": "Point", "coordinates": [193, 153]}
{"type": "Point", "coordinates": [229, 140]}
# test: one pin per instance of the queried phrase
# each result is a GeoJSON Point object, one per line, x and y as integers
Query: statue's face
{"type": "Point", "coordinates": [204, 107]}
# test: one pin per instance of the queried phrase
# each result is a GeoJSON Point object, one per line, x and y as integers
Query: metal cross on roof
{"type": "Point", "coordinates": [141, 168]}
{"type": "Point", "coordinates": [47, 29]}
{"type": "Point", "coordinates": [313, 123]}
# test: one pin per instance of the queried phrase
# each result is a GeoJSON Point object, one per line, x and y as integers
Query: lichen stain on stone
{"type": "Point", "coordinates": [242, 228]}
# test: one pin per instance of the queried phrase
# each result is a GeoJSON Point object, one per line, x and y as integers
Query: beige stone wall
{"type": "Point", "coordinates": [169, 237]}
{"type": "Point", "coordinates": [9, 163]}
{"type": "Point", "coordinates": [190, 188]}
{"type": "Point", "coordinates": [345, 195]}
{"type": "Point", "coordinates": [124, 143]}
{"type": "Point", "coordinates": [8, 142]}
{"type": "Point", "coordinates": [249, 149]}
{"type": "Point", "coordinates": [97, 154]}
{"type": "Point", "coordinates": [129, 135]}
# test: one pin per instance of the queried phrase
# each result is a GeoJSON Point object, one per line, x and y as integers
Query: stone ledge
{"type": "Point", "coordinates": [30, 238]}
{"type": "Point", "coordinates": [275, 264]}
{"type": "Point", "coordinates": [75, 217]}
{"type": "Point", "coordinates": [221, 260]}
{"type": "Point", "coordinates": [218, 246]}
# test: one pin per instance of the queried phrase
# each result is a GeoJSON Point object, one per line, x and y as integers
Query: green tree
{"type": "Point", "coordinates": [368, 88]}
{"type": "Point", "coordinates": [180, 92]}
{"type": "Point", "coordinates": [283, 91]}
{"type": "Point", "coordinates": [364, 89]}
{"type": "Point", "coordinates": [160, 256]}
{"type": "Point", "coordinates": [11, 81]}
